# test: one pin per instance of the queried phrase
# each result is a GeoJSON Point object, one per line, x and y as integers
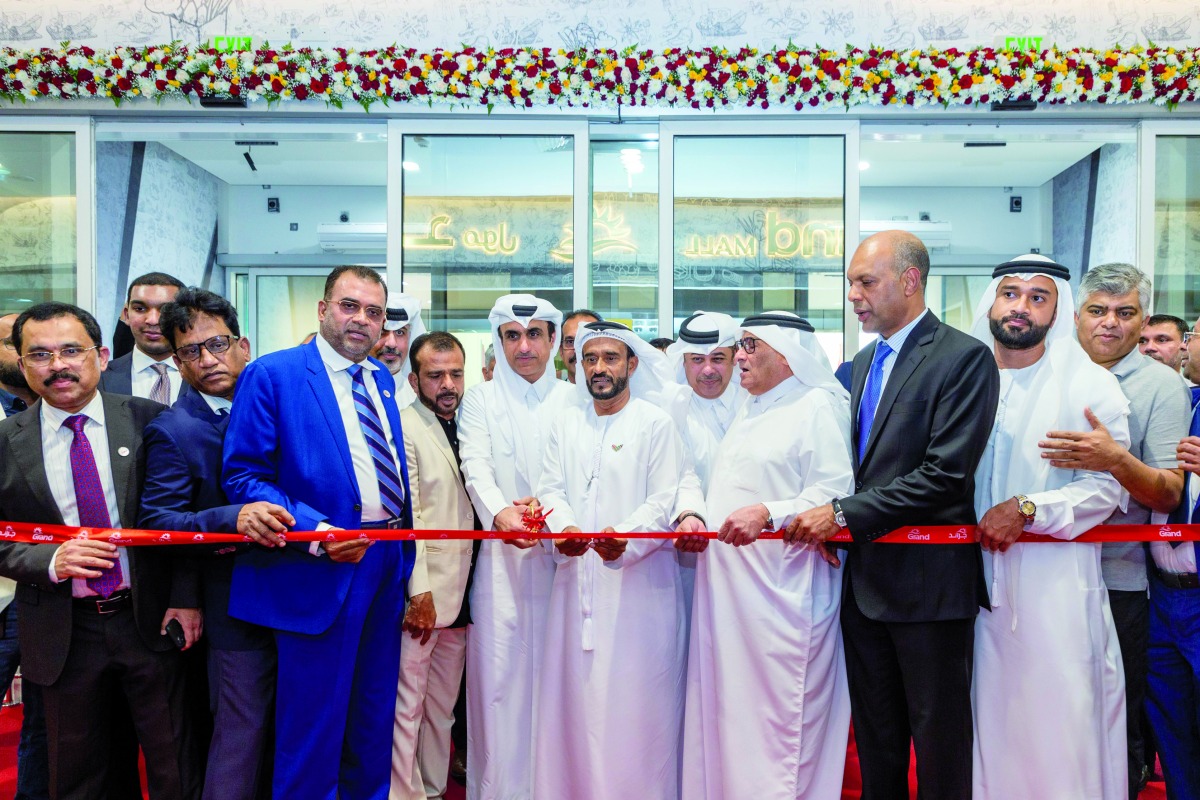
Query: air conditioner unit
{"type": "Point", "coordinates": [935, 235]}
{"type": "Point", "coordinates": [352, 237]}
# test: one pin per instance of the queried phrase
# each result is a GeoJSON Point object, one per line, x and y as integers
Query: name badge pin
{"type": "Point", "coordinates": [122, 451]}
{"type": "Point", "coordinates": [386, 393]}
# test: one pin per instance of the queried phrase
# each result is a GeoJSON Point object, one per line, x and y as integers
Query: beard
{"type": "Point", "coordinates": [618, 385]}
{"type": "Point", "coordinates": [1018, 340]}
{"type": "Point", "coordinates": [11, 375]}
{"type": "Point", "coordinates": [431, 402]}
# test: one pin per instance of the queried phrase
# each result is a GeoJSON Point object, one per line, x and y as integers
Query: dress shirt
{"type": "Point", "coordinates": [1182, 558]}
{"type": "Point", "coordinates": [56, 454]}
{"type": "Point", "coordinates": [11, 403]}
{"type": "Point", "coordinates": [217, 404]}
{"type": "Point", "coordinates": [143, 375]}
{"type": "Point", "coordinates": [336, 366]}
{"type": "Point", "coordinates": [896, 342]}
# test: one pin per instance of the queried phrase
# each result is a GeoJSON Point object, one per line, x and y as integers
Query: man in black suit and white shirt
{"type": "Point", "coordinates": [148, 370]}
{"type": "Point", "coordinates": [923, 402]}
{"type": "Point", "coordinates": [93, 614]}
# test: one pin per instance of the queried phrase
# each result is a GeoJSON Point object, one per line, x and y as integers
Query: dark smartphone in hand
{"type": "Point", "coordinates": [175, 631]}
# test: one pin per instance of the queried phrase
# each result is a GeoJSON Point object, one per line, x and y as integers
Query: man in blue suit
{"type": "Point", "coordinates": [316, 430]}
{"type": "Point", "coordinates": [183, 493]}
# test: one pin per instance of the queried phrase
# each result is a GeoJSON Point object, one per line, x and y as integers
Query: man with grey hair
{"type": "Point", "coordinates": [1113, 299]}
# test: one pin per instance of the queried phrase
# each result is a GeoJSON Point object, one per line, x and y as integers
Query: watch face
{"type": "Point", "coordinates": [1027, 508]}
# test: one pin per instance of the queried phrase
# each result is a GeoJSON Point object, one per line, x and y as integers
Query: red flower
{"type": "Point", "coordinates": [301, 92]}
{"type": "Point", "coordinates": [965, 81]}
{"type": "Point", "coordinates": [123, 84]}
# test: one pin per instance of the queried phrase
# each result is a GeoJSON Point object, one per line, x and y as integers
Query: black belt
{"type": "Point", "coordinates": [380, 525]}
{"type": "Point", "coordinates": [105, 605]}
{"type": "Point", "coordinates": [1179, 580]}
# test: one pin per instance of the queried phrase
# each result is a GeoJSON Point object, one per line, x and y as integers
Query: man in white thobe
{"type": "Point", "coordinates": [401, 327]}
{"type": "Point", "coordinates": [503, 426]}
{"type": "Point", "coordinates": [702, 357]}
{"type": "Point", "coordinates": [768, 708]}
{"type": "Point", "coordinates": [612, 682]}
{"type": "Point", "coordinates": [1048, 689]}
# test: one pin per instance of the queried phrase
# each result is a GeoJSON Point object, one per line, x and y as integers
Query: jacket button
{"type": "Point", "coordinates": [357, 507]}
{"type": "Point", "coordinates": [858, 486]}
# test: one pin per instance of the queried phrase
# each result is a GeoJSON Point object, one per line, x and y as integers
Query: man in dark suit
{"type": "Point", "coordinates": [93, 614]}
{"type": "Point", "coordinates": [315, 429]}
{"type": "Point", "coordinates": [923, 401]}
{"type": "Point", "coordinates": [183, 493]}
{"type": "Point", "coordinates": [147, 371]}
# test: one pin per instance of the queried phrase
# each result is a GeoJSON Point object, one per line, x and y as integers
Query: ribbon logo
{"type": "Point", "coordinates": [915, 535]}
{"type": "Point", "coordinates": [9, 533]}
{"type": "Point", "coordinates": [199, 537]}
{"type": "Point", "coordinates": [1167, 533]}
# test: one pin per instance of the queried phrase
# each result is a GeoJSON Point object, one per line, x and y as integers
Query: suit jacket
{"type": "Point", "coordinates": [159, 579]}
{"type": "Point", "coordinates": [440, 501]}
{"type": "Point", "coordinates": [930, 430]}
{"type": "Point", "coordinates": [286, 444]}
{"type": "Point", "coordinates": [183, 492]}
{"type": "Point", "coordinates": [117, 378]}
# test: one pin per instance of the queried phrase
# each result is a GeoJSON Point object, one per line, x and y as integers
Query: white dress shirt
{"type": "Point", "coordinates": [1179, 559]}
{"type": "Point", "coordinates": [336, 367]}
{"type": "Point", "coordinates": [896, 342]}
{"type": "Point", "coordinates": [56, 454]}
{"type": "Point", "coordinates": [217, 404]}
{"type": "Point", "coordinates": [144, 376]}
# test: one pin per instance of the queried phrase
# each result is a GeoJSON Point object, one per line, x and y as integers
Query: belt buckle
{"type": "Point", "coordinates": [111, 604]}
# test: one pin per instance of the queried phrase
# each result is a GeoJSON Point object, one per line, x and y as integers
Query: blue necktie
{"type": "Point", "coordinates": [390, 492]}
{"type": "Point", "coordinates": [870, 398]}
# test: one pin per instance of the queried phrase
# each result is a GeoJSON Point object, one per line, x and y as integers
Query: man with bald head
{"type": "Point", "coordinates": [923, 399]}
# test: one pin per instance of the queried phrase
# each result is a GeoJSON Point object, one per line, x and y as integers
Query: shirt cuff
{"type": "Point", "coordinates": [314, 548]}
{"type": "Point", "coordinates": [53, 560]}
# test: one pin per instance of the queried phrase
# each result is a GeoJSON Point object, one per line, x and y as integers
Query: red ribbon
{"type": "Point", "coordinates": [29, 533]}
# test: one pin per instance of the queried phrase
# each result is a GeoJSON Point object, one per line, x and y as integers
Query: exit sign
{"type": "Point", "coordinates": [1022, 43]}
{"type": "Point", "coordinates": [229, 44]}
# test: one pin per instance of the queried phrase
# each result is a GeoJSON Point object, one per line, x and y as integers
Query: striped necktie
{"type": "Point", "coordinates": [160, 392]}
{"type": "Point", "coordinates": [391, 492]}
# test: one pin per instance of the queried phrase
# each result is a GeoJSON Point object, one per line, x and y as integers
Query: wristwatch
{"type": "Point", "coordinates": [839, 516]}
{"type": "Point", "coordinates": [1026, 507]}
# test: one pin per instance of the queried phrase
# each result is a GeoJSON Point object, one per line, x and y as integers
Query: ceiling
{"type": "Point", "coordinates": [950, 163]}
{"type": "Point", "coordinates": [290, 163]}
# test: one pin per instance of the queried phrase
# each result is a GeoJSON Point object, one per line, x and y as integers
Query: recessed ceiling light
{"type": "Point", "coordinates": [411, 166]}
{"type": "Point", "coordinates": [863, 166]}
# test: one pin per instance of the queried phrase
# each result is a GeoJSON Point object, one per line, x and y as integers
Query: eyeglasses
{"type": "Point", "coordinates": [69, 355]}
{"type": "Point", "coordinates": [747, 343]}
{"type": "Point", "coordinates": [216, 345]}
{"type": "Point", "coordinates": [1187, 337]}
{"type": "Point", "coordinates": [351, 309]}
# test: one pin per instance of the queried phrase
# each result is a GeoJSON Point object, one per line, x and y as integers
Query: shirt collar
{"type": "Point", "coordinates": [7, 399]}
{"type": "Point", "coordinates": [1132, 361]}
{"type": "Point", "coordinates": [789, 384]}
{"type": "Point", "coordinates": [56, 417]}
{"type": "Point", "coordinates": [217, 404]}
{"type": "Point", "coordinates": [143, 362]}
{"type": "Point", "coordinates": [896, 340]}
{"type": "Point", "coordinates": [338, 362]}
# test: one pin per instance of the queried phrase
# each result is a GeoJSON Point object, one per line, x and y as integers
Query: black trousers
{"type": "Point", "coordinates": [108, 668]}
{"type": "Point", "coordinates": [910, 682]}
{"type": "Point", "coordinates": [1131, 613]}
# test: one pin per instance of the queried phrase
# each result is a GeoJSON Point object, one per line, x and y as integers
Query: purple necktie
{"type": "Point", "coordinates": [89, 499]}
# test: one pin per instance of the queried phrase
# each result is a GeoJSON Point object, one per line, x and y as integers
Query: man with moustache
{"type": "Point", "coordinates": [504, 424]}
{"type": "Point", "coordinates": [1049, 693]}
{"type": "Point", "coordinates": [183, 493]}
{"type": "Point", "coordinates": [315, 429]}
{"type": "Point", "coordinates": [768, 709]}
{"type": "Point", "coordinates": [403, 325]}
{"type": "Point", "coordinates": [94, 615]}
{"type": "Point", "coordinates": [923, 397]}
{"type": "Point", "coordinates": [147, 371]}
{"type": "Point", "coordinates": [570, 327]}
{"type": "Point", "coordinates": [15, 394]}
{"type": "Point", "coordinates": [610, 701]}
{"type": "Point", "coordinates": [1108, 322]}
{"type": "Point", "coordinates": [1162, 339]}
{"type": "Point", "coordinates": [1191, 361]}
{"type": "Point", "coordinates": [431, 659]}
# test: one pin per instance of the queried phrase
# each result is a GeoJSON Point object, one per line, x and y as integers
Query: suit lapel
{"type": "Point", "coordinates": [27, 452]}
{"type": "Point", "coordinates": [907, 360]}
{"type": "Point", "coordinates": [437, 432]}
{"type": "Point", "coordinates": [122, 445]}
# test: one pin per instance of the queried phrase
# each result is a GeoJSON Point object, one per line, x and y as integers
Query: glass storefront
{"type": "Point", "coordinates": [37, 219]}
{"type": "Point", "coordinates": [1177, 226]}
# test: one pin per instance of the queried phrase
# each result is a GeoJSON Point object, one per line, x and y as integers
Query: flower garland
{"type": "Point", "coordinates": [791, 77]}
